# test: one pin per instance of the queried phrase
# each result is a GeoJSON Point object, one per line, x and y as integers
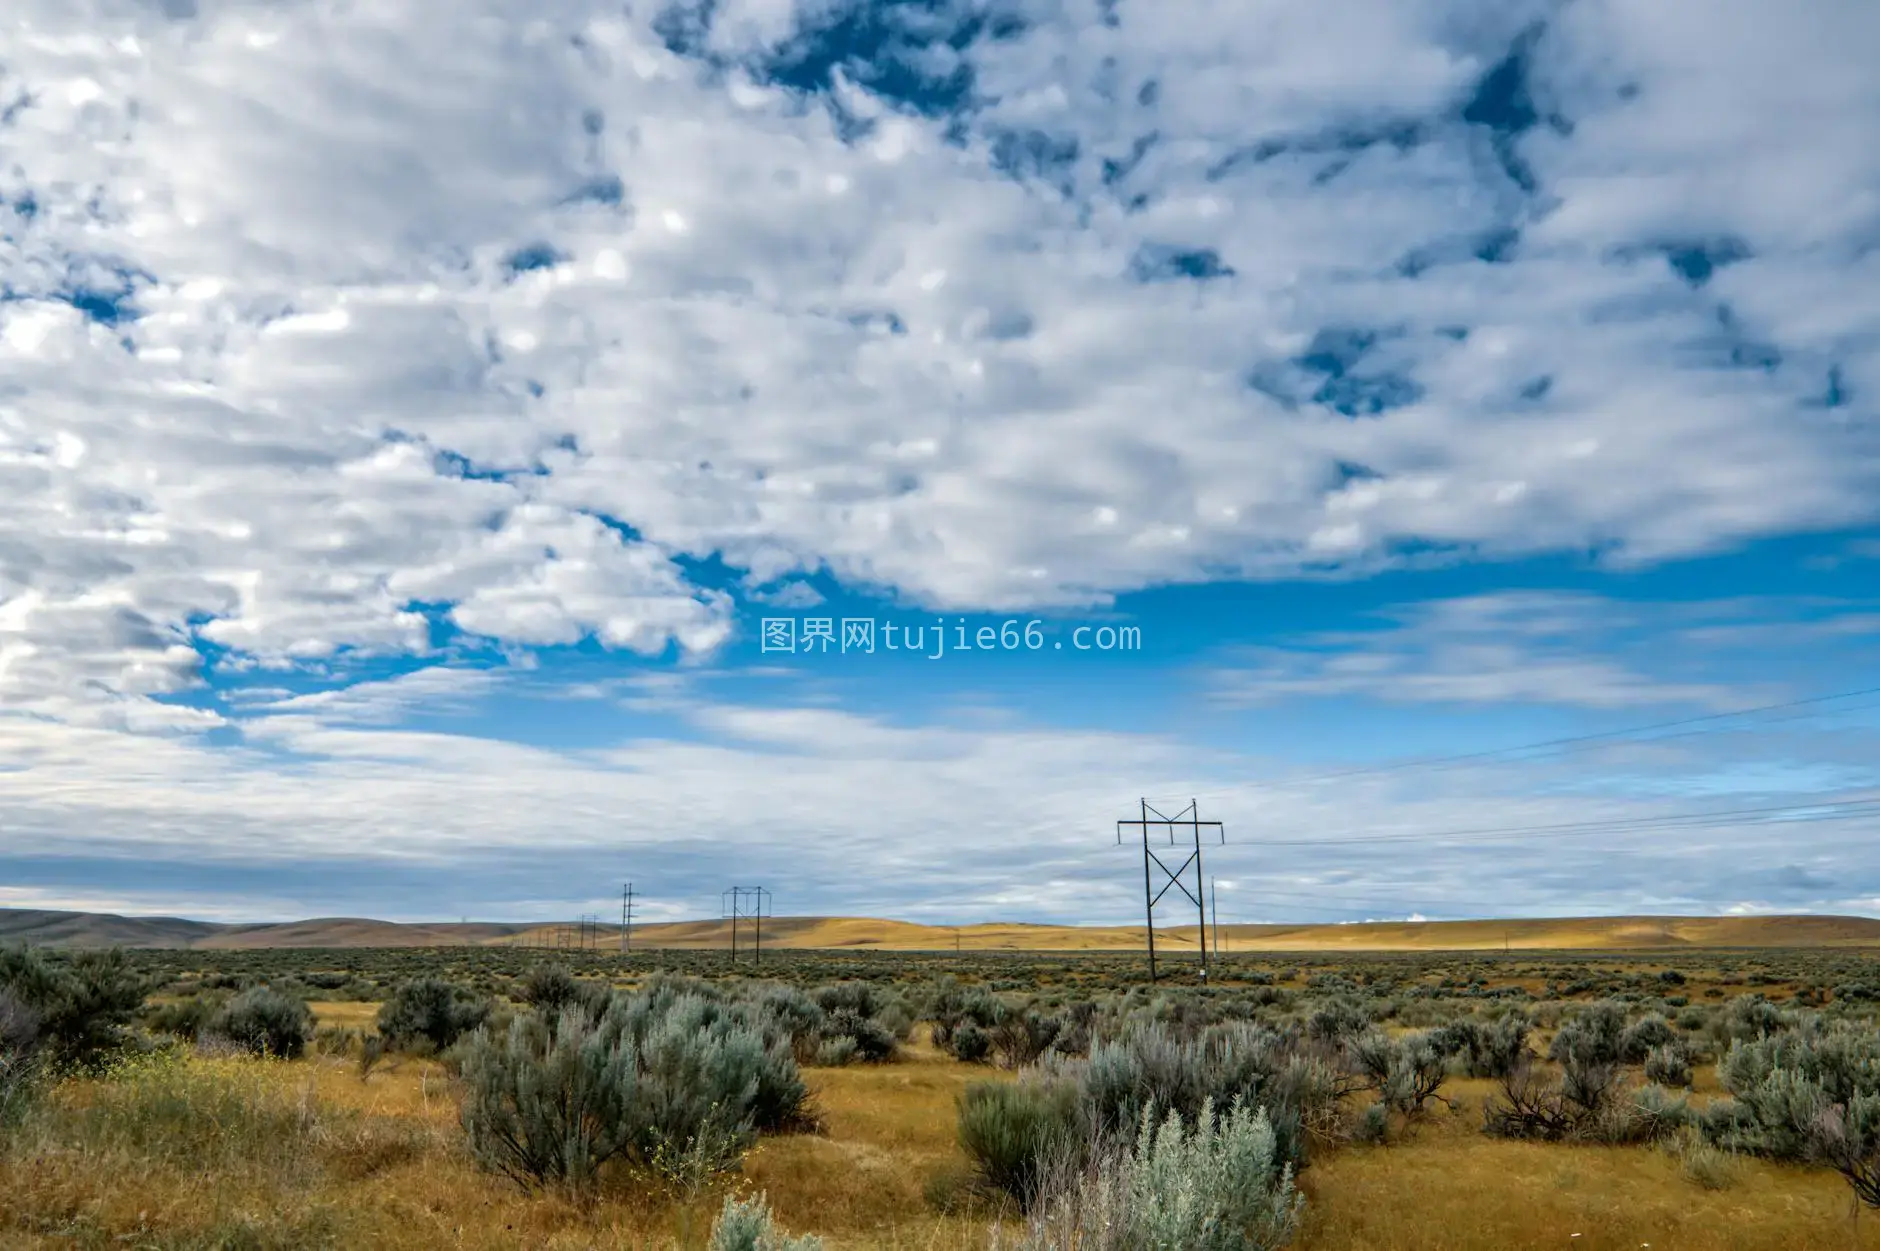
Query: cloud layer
{"type": "Point", "coordinates": [336, 334]}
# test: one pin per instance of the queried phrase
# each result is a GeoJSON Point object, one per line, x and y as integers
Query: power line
{"type": "Point", "coordinates": [1427, 762]}
{"type": "Point", "coordinates": [1855, 808]}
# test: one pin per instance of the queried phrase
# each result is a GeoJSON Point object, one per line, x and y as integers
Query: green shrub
{"type": "Point", "coordinates": [1023, 1036]}
{"type": "Point", "coordinates": [1218, 1185]}
{"type": "Point", "coordinates": [19, 1059]}
{"type": "Point", "coordinates": [746, 1225]}
{"type": "Point", "coordinates": [833, 1053]}
{"type": "Point", "coordinates": [1486, 1048]}
{"type": "Point", "coordinates": [1644, 1035]}
{"type": "Point", "coordinates": [1373, 1124]}
{"type": "Point", "coordinates": [1227, 1062]}
{"type": "Point", "coordinates": [1589, 1049]}
{"type": "Point", "coordinates": [429, 1014]}
{"type": "Point", "coordinates": [186, 1018]}
{"type": "Point", "coordinates": [1668, 1066]}
{"type": "Point", "coordinates": [1647, 1114]}
{"type": "Point", "coordinates": [551, 988]}
{"type": "Point", "coordinates": [338, 1040]}
{"type": "Point", "coordinates": [954, 1007]}
{"type": "Point", "coordinates": [869, 1040]}
{"type": "Point", "coordinates": [1748, 1018]}
{"type": "Point", "coordinates": [1338, 1021]}
{"type": "Point", "coordinates": [1406, 1072]}
{"type": "Point", "coordinates": [1018, 1133]}
{"type": "Point", "coordinates": [1807, 1093]}
{"type": "Point", "coordinates": [84, 1003]}
{"type": "Point", "coordinates": [971, 1044]}
{"type": "Point", "coordinates": [265, 1023]}
{"type": "Point", "coordinates": [674, 1082]}
{"type": "Point", "coordinates": [548, 1106]}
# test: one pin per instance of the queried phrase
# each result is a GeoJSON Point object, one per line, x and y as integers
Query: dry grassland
{"type": "Point", "coordinates": [308, 1154]}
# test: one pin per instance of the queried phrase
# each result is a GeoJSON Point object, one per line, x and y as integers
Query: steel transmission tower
{"type": "Point", "coordinates": [1188, 818]}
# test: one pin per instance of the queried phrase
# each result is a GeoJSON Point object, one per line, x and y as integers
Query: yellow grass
{"type": "Point", "coordinates": [380, 1164]}
{"type": "Point", "coordinates": [352, 1015]}
{"type": "Point", "coordinates": [1450, 1188]}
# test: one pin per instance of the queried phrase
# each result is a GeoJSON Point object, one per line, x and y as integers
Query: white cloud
{"type": "Point", "coordinates": [323, 213]}
{"type": "Point", "coordinates": [490, 315]}
{"type": "Point", "coordinates": [332, 798]}
{"type": "Point", "coordinates": [1507, 647]}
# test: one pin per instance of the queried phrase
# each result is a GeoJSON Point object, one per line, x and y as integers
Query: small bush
{"type": "Point", "coordinates": [1808, 1093]}
{"type": "Point", "coordinates": [1373, 1124]}
{"type": "Point", "coordinates": [1219, 1185]}
{"type": "Point", "coordinates": [548, 1106]}
{"type": "Point", "coordinates": [186, 1018]}
{"type": "Point", "coordinates": [674, 1081]}
{"type": "Point", "coordinates": [1406, 1072]}
{"type": "Point", "coordinates": [1228, 1062]}
{"type": "Point", "coordinates": [1486, 1048]}
{"type": "Point", "coordinates": [1017, 1133]}
{"type": "Point", "coordinates": [371, 1051]}
{"type": "Point", "coordinates": [1022, 1037]}
{"type": "Point", "coordinates": [971, 1044]}
{"type": "Point", "coordinates": [1702, 1163]}
{"type": "Point", "coordinates": [954, 1007]}
{"type": "Point", "coordinates": [747, 1225]}
{"type": "Point", "coordinates": [868, 1039]}
{"type": "Point", "coordinates": [1338, 1021]}
{"type": "Point", "coordinates": [1648, 1114]}
{"type": "Point", "coordinates": [338, 1040]}
{"type": "Point", "coordinates": [265, 1023]}
{"type": "Point", "coordinates": [551, 989]}
{"type": "Point", "coordinates": [19, 1059]}
{"type": "Point", "coordinates": [1668, 1066]}
{"type": "Point", "coordinates": [833, 1053]}
{"type": "Point", "coordinates": [1643, 1036]}
{"type": "Point", "coordinates": [429, 1014]}
{"type": "Point", "coordinates": [1589, 1049]}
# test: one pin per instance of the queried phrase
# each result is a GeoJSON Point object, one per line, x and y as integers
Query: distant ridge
{"type": "Point", "coordinates": [90, 929]}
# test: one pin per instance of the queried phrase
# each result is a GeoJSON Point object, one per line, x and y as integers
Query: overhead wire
{"type": "Point", "coordinates": [1427, 762]}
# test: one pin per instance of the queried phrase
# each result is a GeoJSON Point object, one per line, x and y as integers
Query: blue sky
{"type": "Point", "coordinates": [408, 421]}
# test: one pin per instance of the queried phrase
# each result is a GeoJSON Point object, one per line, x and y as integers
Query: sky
{"type": "Point", "coordinates": [1439, 440]}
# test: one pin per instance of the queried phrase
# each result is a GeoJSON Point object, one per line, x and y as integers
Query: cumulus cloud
{"type": "Point", "coordinates": [323, 321]}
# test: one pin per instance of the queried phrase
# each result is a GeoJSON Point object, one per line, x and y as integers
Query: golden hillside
{"type": "Point", "coordinates": [79, 929]}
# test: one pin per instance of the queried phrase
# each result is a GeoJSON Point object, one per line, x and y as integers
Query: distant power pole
{"type": "Point", "coordinates": [1177, 877]}
{"type": "Point", "coordinates": [746, 903]}
{"type": "Point", "coordinates": [626, 919]}
{"type": "Point", "coordinates": [1215, 907]}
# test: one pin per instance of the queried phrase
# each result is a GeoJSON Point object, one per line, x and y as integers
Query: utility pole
{"type": "Point", "coordinates": [1215, 907]}
{"type": "Point", "coordinates": [1177, 877]}
{"type": "Point", "coordinates": [626, 919]}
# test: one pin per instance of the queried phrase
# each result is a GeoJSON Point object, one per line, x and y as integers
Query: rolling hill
{"type": "Point", "coordinates": [82, 929]}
